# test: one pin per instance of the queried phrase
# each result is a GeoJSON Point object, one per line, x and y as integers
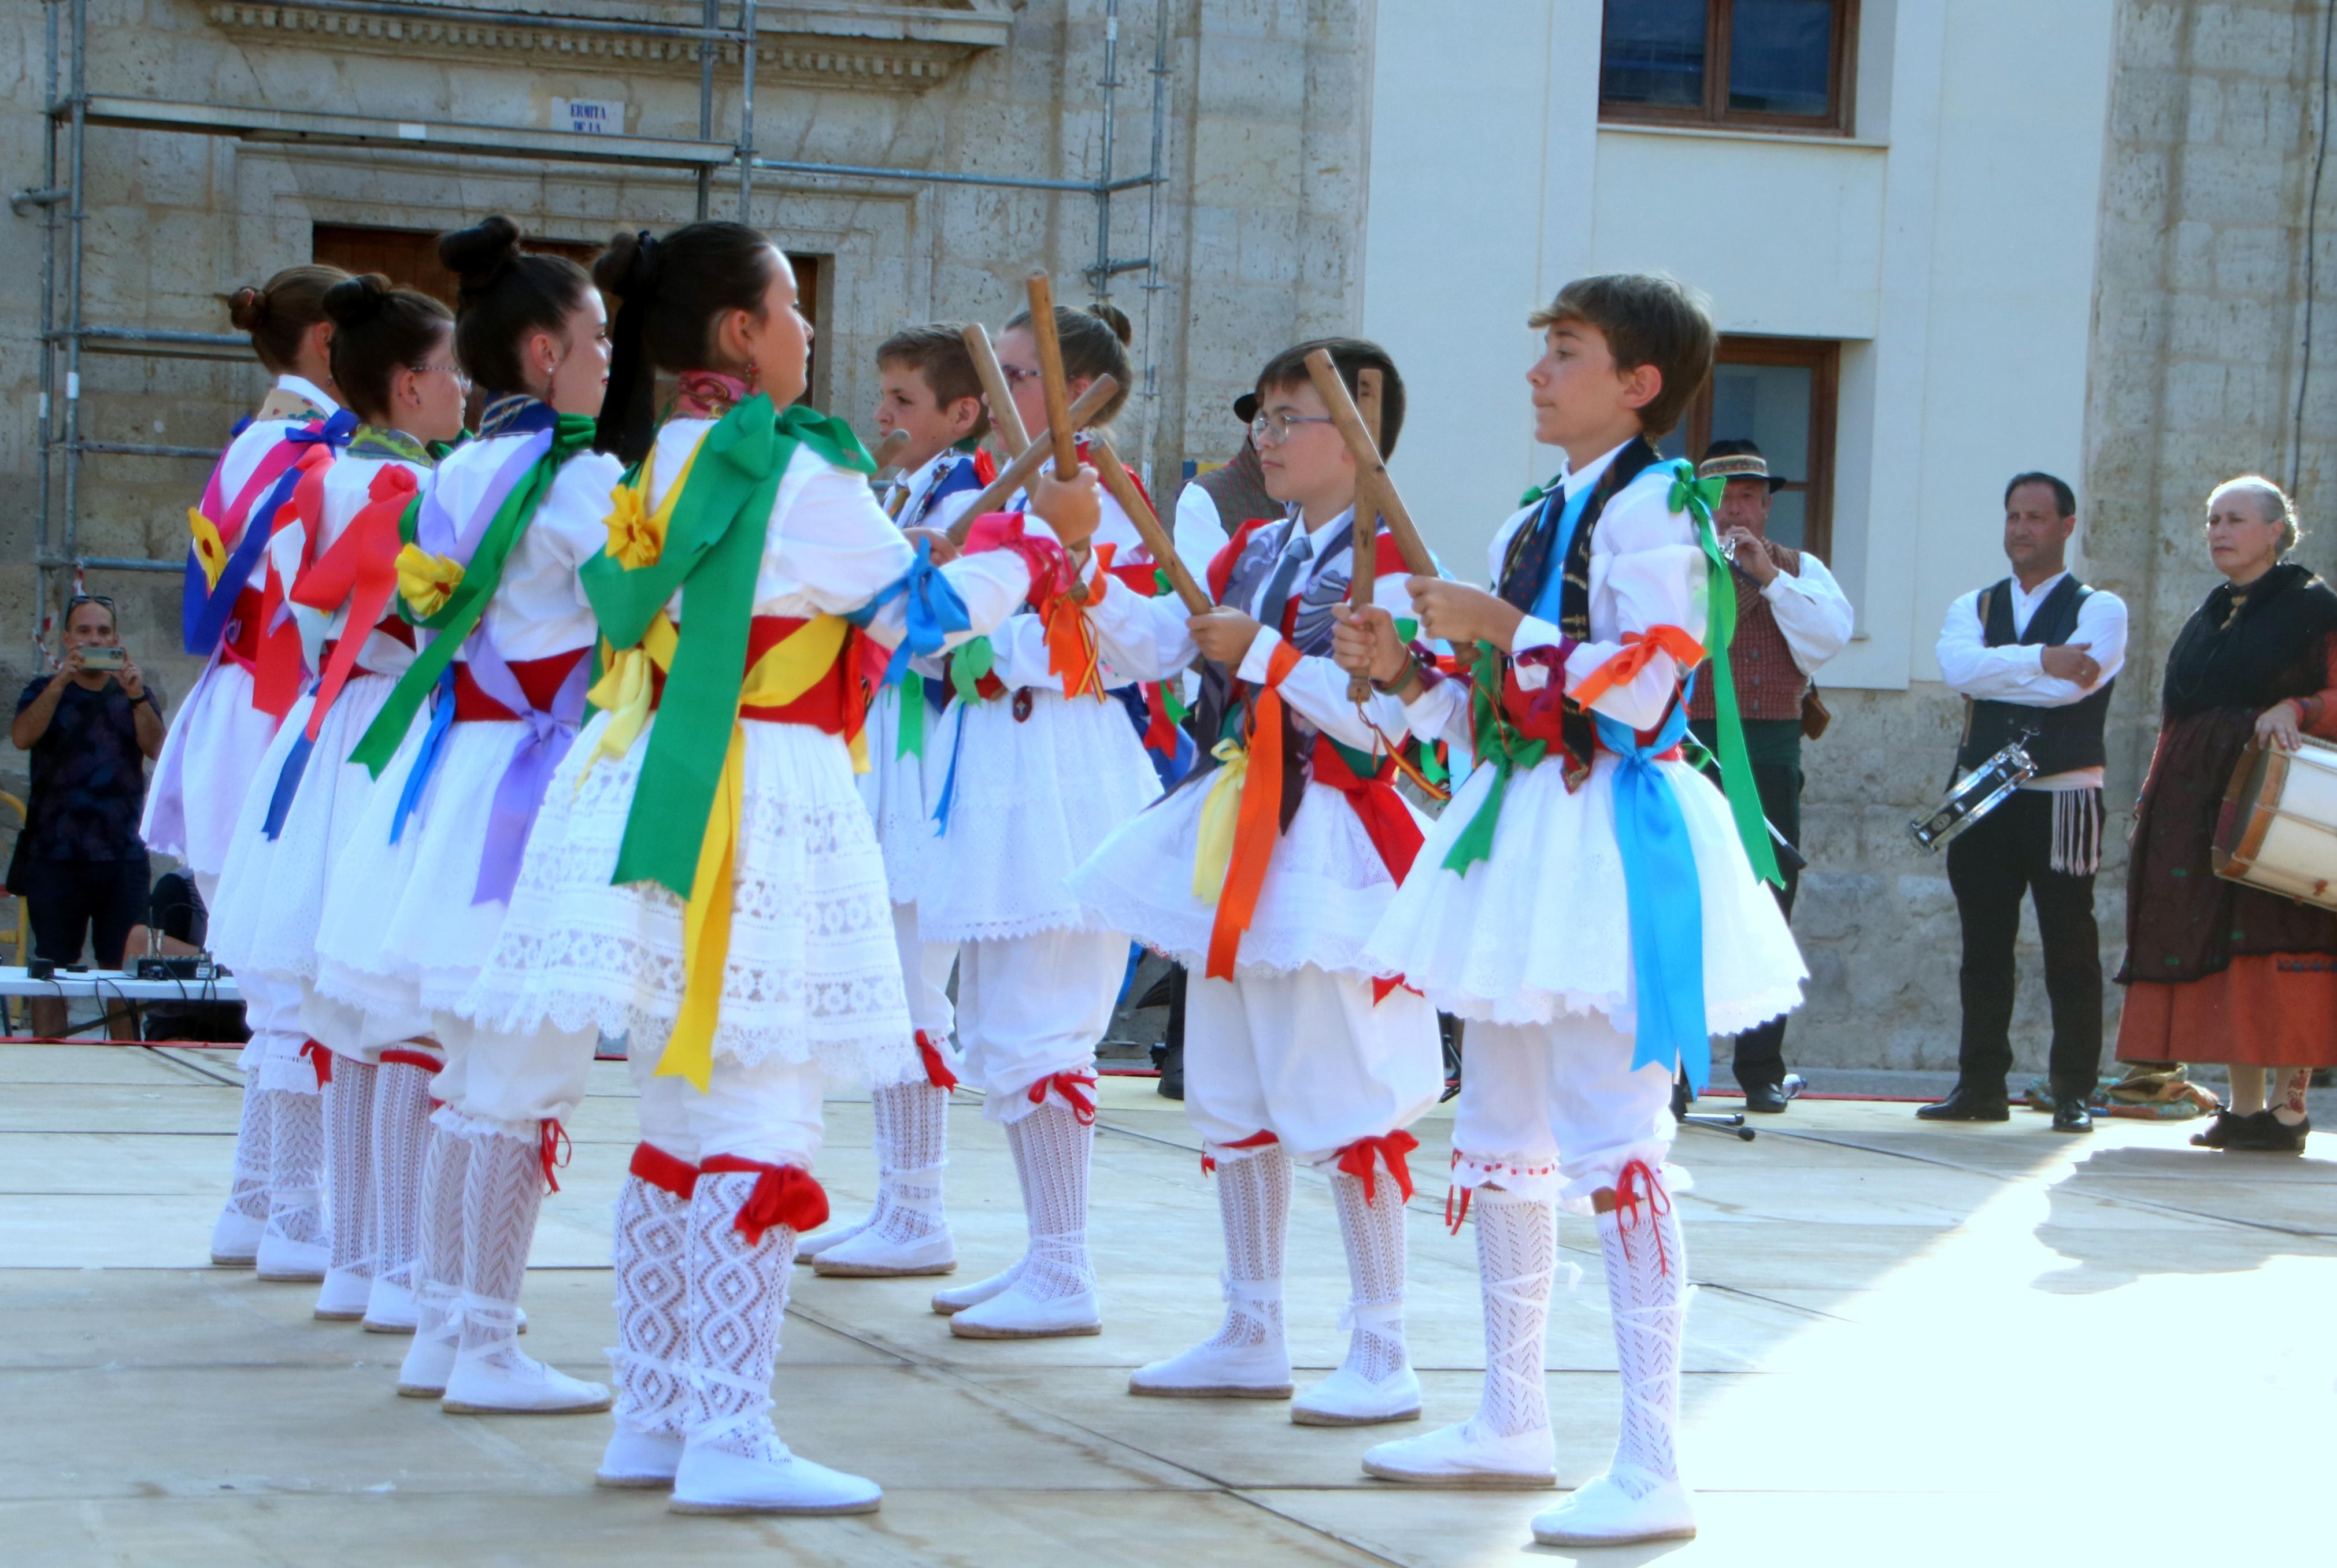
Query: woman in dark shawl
{"type": "Point", "coordinates": [2213, 969]}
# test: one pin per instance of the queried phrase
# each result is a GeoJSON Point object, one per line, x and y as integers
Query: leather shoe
{"type": "Point", "coordinates": [2070, 1115]}
{"type": "Point", "coordinates": [1769, 1099]}
{"type": "Point", "coordinates": [1967, 1105]}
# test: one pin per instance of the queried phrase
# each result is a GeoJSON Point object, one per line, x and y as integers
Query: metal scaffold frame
{"type": "Point", "coordinates": [73, 110]}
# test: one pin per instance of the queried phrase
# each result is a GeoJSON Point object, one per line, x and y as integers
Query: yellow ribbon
{"type": "Point", "coordinates": [636, 533]}
{"type": "Point", "coordinates": [427, 581]}
{"type": "Point", "coordinates": [211, 551]}
{"type": "Point", "coordinates": [624, 690]}
{"type": "Point", "coordinates": [788, 669]}
{"type": "Point", "coordinates": [1213, 853]}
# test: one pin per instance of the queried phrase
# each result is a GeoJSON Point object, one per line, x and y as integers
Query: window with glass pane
{"type": "Point", "coordinates": [1767, 65]}
{"type": "Point", "coordinates": [1780, 394]}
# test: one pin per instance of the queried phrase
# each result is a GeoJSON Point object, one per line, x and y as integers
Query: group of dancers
{"type": "Point", "coordinates": [663, 724]}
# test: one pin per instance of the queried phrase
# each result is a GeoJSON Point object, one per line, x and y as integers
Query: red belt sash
{"type": "Point", "coordinates": [1385, 818]}
{"type": "Point", "coordinates": [540, 680]}
{"type": "Point", "coordinates": [836, 704]}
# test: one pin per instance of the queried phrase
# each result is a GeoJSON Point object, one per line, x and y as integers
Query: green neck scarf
{"type": "Point", "coordinates": [460, 614]}
{"type": "Point", "coordinates": [713, 548]}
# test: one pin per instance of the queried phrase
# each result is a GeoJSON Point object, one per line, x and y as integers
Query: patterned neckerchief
{"type": "Point", "coordinates": [507, 411]}
{"type": "Point", "coordinates": [381, 441]}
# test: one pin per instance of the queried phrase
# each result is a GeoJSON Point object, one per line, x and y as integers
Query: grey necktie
{"type": "Point", "coordinates": [1277, 590]}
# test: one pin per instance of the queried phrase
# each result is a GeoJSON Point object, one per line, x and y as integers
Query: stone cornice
{"type": "Point", "coordinates": [897, 48]}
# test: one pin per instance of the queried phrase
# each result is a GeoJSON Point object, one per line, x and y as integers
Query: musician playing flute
{"type": "Point", "coordinates": [2215, 969]}
{"type": "Point", "coordinates": [1262, 873]}
{"type": "Point", "coordinates": [1588, 900]}
{"type": "Point", "coordinates": [2034, 657]}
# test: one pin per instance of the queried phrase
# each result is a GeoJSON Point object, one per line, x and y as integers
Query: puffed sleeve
{"type": "Point", "coordinates": [1647, 599]}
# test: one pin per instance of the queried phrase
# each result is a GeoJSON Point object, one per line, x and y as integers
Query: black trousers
{"type": "Point", "coordinates": [71, 901]}
{"type": "Point", "coordinates": [1990, 866]}
{"type": "Point", "coordinates": [1760, 1052]}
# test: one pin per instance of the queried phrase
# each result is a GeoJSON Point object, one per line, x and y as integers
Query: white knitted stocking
{"type": "Point", "coordinates": [1647, 1293]}
{"type": "Point", "coordinates": [438, 1258]}
{"type": "Point", "coordinates": [738, 1294]}
{"type": "Point", "coordinates": [1374, 1234]}
{"type": "Point", "coordinates": [1254, 1201]}
{"type": "Point", "coordinates": [401, 1136]}
{"type": "Point", "coordinates": [254, 1137]}
{"type": "Point", "coordinates": [349, 1165]}
{"type": "Point", "coordinates": [652, 1290]}
{"type": "Point", "coordinates": [912, 1146]}
{"type": "Point", "coordinates": [1052, 1147]}
{"type": "Point", "coordinates": [500, 1199]}
{"type": "Point", "coordinates": [296, 1167]}
{"type": "Point", "coordinates": [1517, 1252]}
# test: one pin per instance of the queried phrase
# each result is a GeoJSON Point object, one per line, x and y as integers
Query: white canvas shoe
{"type": "Point", "coordinates": [1347, 1398]}
{"type": "Point", "coordinates": [390, 1308]}
{"type": "Point", "coordinates": [958, 1297]}
{"type": "Point", "coordinates": [714, 1479]}
{"type": "Point", "coordinates": [502, 1381]}
{"type": "Point", "coordinates": [637, 1460]}
{"type": "Point", "coordinates": [284, 1262]}
{"type": "Point", "coordinates": [811, 1247]}
{"type": "Point", "coordinates": [1019, 1312]}
{"type": "Point", "coordinates": [1215, 1371]}
{"type": "Point", "coordinates": [870, 1255]}
{"type": "Point", "coordinates": [345, 1294]}
{"type": "Point", "coordinates": [1618, 1509]}
{"type": "Point", "coordinates": [1466, 1455]}
{"type": "Point", "coordinates": [429, 1361]}
{"type": "Point", "coordinates": [235, 1239]}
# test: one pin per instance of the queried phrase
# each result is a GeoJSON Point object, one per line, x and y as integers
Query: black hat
{"type": "Point", "coordinates": [1738, 460]}
{"type": "Point", "coordinates": [1246, 407]}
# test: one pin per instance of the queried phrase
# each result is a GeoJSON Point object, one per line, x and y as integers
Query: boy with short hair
{"type": "Point", "coordinates": [1296, 1048]}
{"type": "Point", "coordinates": [1588, 899]}
{"type": "Point", "coordinates": [929, 388]}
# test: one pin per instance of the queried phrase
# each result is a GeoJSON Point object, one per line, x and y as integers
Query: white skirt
{"type": "Point", "coordinates": [900, 791]}
{"type": "Point", "coordinates": [271, 896]}
{"type": "Point", "coordinates": [208, 760]}
{"type": "Point", "coordinates": [1543, 927]}
{"type": "Point", "coordinates": [813, 973]}
{"type": "Point", "coordinates": [1033, 800]}
{"type": "Point", "coordinates": [1324, 892]}
{"type": "Point", "coordinates": [400, 933]}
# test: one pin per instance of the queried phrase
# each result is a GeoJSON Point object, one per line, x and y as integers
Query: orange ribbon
{"type": "Point", "coordinates": [1259, 821]}
{"type": "Point", "coordinates": [786, 1195]}
{"type": "Point", "coordinates": [1073, 656]}
{"type": "Point", "coordinates": [1362, 1157]}
{"type": "Point", "coordinates": [1639, 650]}
{"type": "Point", "coordinates": [361, 568]}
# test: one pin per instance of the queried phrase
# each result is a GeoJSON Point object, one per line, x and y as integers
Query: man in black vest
{"type": "Point", "coordinates": [2034, 657]}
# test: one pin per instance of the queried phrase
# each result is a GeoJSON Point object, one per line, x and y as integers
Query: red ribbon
{"type": "Point", "coordinates": [1453, 1222]}
{"type": "Point", "coordinates": [1386, 821]}
{"type": "Point", "coordinates": [361, 569]}
{"type": "Point", "coordinates": [1074, 1087]}
{"type": "Point", "coordinates": [554, 1151]}
{"type": "Point", "coordinates": [1361, 1158]}
{"type": "Point", "coordinates": [1255, 1141]}
{"type": "Point", "coordinates": [320, 1058]}
{"type": "Point", "coordinates": [406, 1056]}
{"type": "Point", "coordinates": [784, 1196]}
{"type": "Point", "coordinates": [277, 670]}
{"type": "Point", "coordinates": [659, 1169]}
{"type": "Point", "coordinates": [1640, 1185]}
{"type": "Point", "coordinates": [937, 1068]}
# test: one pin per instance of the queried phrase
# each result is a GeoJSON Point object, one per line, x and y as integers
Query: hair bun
{"type": "Point", "coordinates": [479, 254]}
{"type": "Point", "coordinates": [628, 267]}
{"type": "Point", "coordinates": [1111, 315]}
{"type": "Point", "coordinates": [358, 300]}
{"type": "Point", "coordinates": [246, 309]}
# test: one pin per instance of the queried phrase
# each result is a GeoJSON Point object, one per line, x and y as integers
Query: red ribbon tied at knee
{"type": "Point", "coordinates": [320, 1058]}
{"type": "Point", "coordinates": [555, 1151]}
{"type": "Point", "coordinates": [1361, 1159]}
{"type": "Point", "coordinates": [1075, 1088]}
{"type": "Point", "coordinates": [937, 1068]}
{"type": "Point", "coordinates": [660, 1169]}
{"type": "Point", "coordinates": [1641, 1185]}
{"type": "Point", "coordinates": [785, 1195]}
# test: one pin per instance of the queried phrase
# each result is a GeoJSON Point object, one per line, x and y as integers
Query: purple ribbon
{"type": "Point", "coordinates": [519, 794]}
{"type": "Point", "coordinates": [435, 528]}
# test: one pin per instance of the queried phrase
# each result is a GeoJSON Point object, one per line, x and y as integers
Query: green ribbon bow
{"type": "Point", "coordinates": [1498, 744]}
{"type": "Point", "coordinates": [969, 662]}
{"type": "Point", "coordinates": [460, 614]}
{"type": "Point", "coordinates": [714, 545]}
{"type": "Point", "coordinates": [1698, 497]}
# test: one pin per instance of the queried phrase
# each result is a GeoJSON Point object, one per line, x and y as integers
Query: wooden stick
{"type": "Point", "coordinates": [1363, 553]}
{"type": "Point", "coordinates": [1018, 473]}
{"type": "Point", "coordinates": [1004, 417]}
{"type": "Point", "coordinates": [1051, 372]}
{"type": "Point", "coordinates": [1148, 523]}
{"type": "Point", "coordinates": [1368, 464]}
{"type": "Point", "coordinates": [886, 472]}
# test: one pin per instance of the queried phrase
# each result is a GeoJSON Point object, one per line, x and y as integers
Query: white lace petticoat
{"type": "Point", "coordinates": [208, 759]}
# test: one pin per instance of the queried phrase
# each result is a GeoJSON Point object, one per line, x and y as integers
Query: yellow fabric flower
{"type": "Point", "coordinates": [427, 581]}
{"type": "Point", "coordinates": [636, 537]}
{"type": "Point", "coordinates": [211, 551]}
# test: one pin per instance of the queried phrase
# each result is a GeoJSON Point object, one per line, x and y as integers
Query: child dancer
{"type": "Point", "coordinates": [393, 359]}
{"type": "Point", "coordinates": [931, 391]}
{"type": "Point", "coordinates": [1043, 764]}
{"type": "Point", "coordinates": [1297, 1048]}
{"type": "Point", "coordinates": [490, 571]}
{"type": "Point", "coordinates": [1586, 900]}
{"type": "Point", "coordinates": [736, 790]}
{"type": "Point", "coordinates": [275, 1211]}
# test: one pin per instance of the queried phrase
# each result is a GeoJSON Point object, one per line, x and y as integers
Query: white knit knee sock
{"type": "Point", "coordinates": [348, 1165]}
{"type": "Point", "coordinates": [254, 1137]}
{"type": "Point", "coordinates": [439, 1257]}
{"type": "Point", "coordinates": [653, 1243]}
{"type": "Point", "coordinates": [500, 1196]}
{"type": "Point", "coordinates": [401, 1139]}
{"type": "Point", "coordinates": [1517, 1252]}
{"type": "Point", "coordinates": [296, 1167]}
{"type": "Point", "coordinates": [912, 1148]}
{"type": "Point", "coordinates": [1647, 1293]}
{"type": "Point", "coordinates": [1254, 1202]}
{"type": "Point", "coordinates": [737, 1295]}
{"type": "Point", "coordinates": [1052, 1147]}
{"type": "Point", "coordinates": [1374, 1234]}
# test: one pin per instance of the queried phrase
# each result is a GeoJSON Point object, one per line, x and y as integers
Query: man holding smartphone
{"type": "Point", "coordinates": [79, 865]}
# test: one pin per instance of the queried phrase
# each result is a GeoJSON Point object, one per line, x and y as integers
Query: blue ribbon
{"type": "Point", "coordinates": [203, 611]}
{"type": "Point", "coordinates": [930, 610]}
{"type": "Point", "coordinates": [434, 739]}
{"type": "Point", "coordinates": [1665, 899]}
{"type": "Point", "coordinates": [288, 784]}
{"type": "Point", "coordinates": [949, 780]}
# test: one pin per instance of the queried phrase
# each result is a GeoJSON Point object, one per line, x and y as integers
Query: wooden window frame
{"type": "Point", "coordinates": [1821, 357]}
{"type": "Point", "coordinates": [1842, 82]}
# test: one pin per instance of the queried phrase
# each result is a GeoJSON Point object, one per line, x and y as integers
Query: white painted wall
{"type": "Point", "coordinates": [1950, 244]}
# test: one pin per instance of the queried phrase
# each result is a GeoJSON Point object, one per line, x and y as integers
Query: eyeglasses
{"type": "Point", "coordinates": [454, 370]}
{"type": "Point", "coordinates": [77, 600]}
{"type": "Point", "coordinates": [1273, 429]}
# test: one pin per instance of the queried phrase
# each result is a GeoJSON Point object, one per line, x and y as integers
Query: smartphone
{"type": "Point", "coordinates": [104, 658]}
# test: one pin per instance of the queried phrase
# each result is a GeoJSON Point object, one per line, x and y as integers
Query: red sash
{"type": "Point", "coordinates": [540, 680]}
{"type": "Point", "coordinates": [836, 704]}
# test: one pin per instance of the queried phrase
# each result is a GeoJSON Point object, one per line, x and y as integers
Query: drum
{"type": "Point", "coordinates": [2278, 828]}
{"type": "Point", "coordinates": [1974, 796]}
